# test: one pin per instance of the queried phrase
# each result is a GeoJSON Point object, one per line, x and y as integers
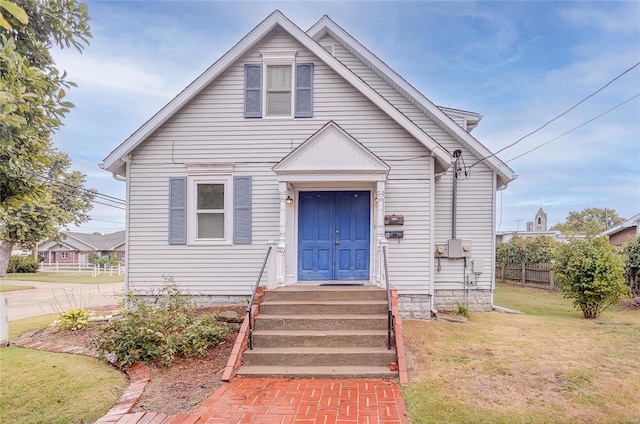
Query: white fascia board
{"type": "Point", "coordinates": [631, 222]}
{"type": "Point", "coordinates": [326, 26]}
{"type": "Point", "coordinates": [111, 162]}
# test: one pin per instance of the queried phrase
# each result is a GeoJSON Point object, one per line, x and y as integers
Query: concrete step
{"type": "Point", "coordinates": [323, 307]}
{"type": "Point", "coordinates": [302, 293]}
{"type": "Point", "coordinates": [318, 356]}
{"type": "Point", "coordinates": [320, 338]}
{"type": "Point", "coordinates": [321, 322]}
{"type": "Point", "coordinates": [318, 372]}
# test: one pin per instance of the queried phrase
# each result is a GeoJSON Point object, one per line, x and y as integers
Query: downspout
{"type": "Point", "coordinates": [432, 224]}
{"type": "Point", "coordinates": [454, 209]}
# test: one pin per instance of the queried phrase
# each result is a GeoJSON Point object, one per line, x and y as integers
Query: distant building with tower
{"type": "Point", "coordinates": [539, 223]}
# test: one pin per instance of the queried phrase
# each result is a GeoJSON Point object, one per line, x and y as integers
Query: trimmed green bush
{"type": "Point", "coordinates": [591, 272]}
{"type": "Point", "coordinates": [157, 328]}
{"type": "Point", "coordinates": [22, 265]}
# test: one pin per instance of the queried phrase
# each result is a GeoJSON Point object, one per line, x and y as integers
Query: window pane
{"type": "Point", "coordinates": [210, 225]}
{"type": "Point", "coordinates": [279, 104]}
{"type": "Point", "coordinates": [279, 78]}
{"type": "Point", "coordinates": [210, 196]}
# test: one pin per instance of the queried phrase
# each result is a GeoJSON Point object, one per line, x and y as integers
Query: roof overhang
{"type": "Point", "coordinates": [114, 161]}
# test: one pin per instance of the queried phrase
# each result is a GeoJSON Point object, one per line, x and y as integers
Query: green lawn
{"type": "Point", "coordinates": [12, 287]}
{"type": "Point", "coordinates": [55, 277]}
{"type": "Point", "coordinates": [44, 387]}
{"type": "Point", "coordinates": [548, 365]}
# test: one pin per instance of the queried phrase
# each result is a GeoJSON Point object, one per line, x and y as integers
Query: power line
{"type": "Point", "coordinates": [573, 129]}
{"type": "Point", "coordinates": [94, 192]}
{"type": "Point", "coordinates": [557, 117]}
{"type": "Point", "coordinates": [107, 204]}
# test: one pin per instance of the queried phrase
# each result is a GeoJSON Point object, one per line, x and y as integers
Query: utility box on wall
{"type": "Point", "coordinates": [453, 249]}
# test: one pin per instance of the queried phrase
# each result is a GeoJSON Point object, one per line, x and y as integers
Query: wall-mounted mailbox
{"type": "Point", "coordinates": [394, 234]}
{"type": "Point", "coordinates": [394, 219]}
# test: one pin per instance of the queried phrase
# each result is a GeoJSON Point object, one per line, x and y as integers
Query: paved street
{"type": "Point", "coordinates": [48, 298]}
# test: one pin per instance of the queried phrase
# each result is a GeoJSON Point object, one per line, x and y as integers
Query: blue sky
{"type": "Point", "coordinates": [519, 64]}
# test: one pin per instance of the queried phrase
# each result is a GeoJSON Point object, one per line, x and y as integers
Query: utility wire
{"type": "Point", "coordinates": [107, 204]}
{"type": "Point", "coordinates": [559, 116]}
{"type": "Point", "coordinates": [573, 129]}
{"type": "Point", "coordinates": [62, 183]}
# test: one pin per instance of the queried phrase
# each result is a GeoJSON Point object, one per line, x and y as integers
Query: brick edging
{"type": "Point", "coordinates": [397, 330]}
{"type": "Point", "coordinates": [138, 374]}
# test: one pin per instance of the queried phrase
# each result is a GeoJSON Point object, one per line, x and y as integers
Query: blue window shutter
{"type": "Point", "coordinates": [304, 90]}
{"type": "Point", "coordinates": [177, 210]}
{"type": "Point", "coordinates": [242, 210]}
{"type": "Point", "coordinates": [252, 91]}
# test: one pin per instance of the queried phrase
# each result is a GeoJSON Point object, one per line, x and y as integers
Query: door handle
{"type": "Point", "coordinates": [337, 242]}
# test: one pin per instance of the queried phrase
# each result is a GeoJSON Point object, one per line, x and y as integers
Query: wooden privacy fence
{"type": "Point", "coordinates": [533, 275]}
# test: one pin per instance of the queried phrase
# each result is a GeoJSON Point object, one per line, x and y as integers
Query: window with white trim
{"type": "Point", "coordinates": [278, 89]}
{"type": "Point", "coordinates": [64, 255]}
{"type": "Point", "coordinates": [210, 209]}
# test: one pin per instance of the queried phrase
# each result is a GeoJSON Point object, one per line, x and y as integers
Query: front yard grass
{"type": "Point", "coordinates": [44, 387]}
{"type": "Point", "coordinates": [60, 277]}
{"type": "Point", "coordinates": [547, 366]}
{"type": "Point", "coordinates": [12, 287]}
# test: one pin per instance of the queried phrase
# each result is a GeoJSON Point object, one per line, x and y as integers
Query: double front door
{"type": "Point", "coordinates": [333, 235]}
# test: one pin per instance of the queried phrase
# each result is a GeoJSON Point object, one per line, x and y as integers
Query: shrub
{"type": "Point", "coordinates": [73, 320]}
{"type": "Point", "coordinates": [158, 328]}
{"type": "Point", "coordinates": [590, 271]}
{"type": "Point", "coordinates": [22, 264]}
{"type": "Point", "coordinates": [632, 263]}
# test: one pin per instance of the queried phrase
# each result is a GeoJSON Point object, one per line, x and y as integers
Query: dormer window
{"type": "Point", "coordinates": [278, 87]}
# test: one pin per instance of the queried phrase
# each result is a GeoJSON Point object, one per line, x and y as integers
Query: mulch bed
{"type": "Point", "coordinates": [183, 386]}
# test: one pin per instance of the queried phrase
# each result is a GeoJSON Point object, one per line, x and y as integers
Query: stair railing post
{"type": "Point", "coordinates": [253, 295]}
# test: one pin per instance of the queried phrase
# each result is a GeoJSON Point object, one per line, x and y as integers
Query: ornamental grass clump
{"type": "Point", "coordinates": [157, 328]}
{"type": "Point", "coordinates": [591, 272]}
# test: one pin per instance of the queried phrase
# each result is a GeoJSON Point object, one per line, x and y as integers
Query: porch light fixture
{"type": "Point", "coordinates": [376, 200]}
{"type": "Point", "coordinates": [289, 200]}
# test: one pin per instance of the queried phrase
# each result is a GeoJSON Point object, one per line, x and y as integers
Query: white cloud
{"type": "Point", "coordinates": [613, 17]}
{"type": "Point", "coordinates": [109, 74]}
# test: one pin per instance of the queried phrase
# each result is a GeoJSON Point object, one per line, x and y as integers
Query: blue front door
{"type": "Point", "coordinates": [333, 235]}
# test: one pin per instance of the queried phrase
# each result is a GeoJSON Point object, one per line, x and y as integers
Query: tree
{"type": "Point", "coordinates": [38, 193]}
{"type": "Point", "coordinates": [32, 91]}
{"type": "Point", "coordinates": [632, 262]}
{"type": "Point", "coordinates": [591, 272]}
{"type": "Point", "coordinates": [64, 201]}
{"type": "Point", "coordinates": [14, 10]}
{"type": "Point", "coordinates": [589, 221]}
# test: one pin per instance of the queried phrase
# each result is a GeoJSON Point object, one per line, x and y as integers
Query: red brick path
{"type": "Point", "coordinates": [292, 401]}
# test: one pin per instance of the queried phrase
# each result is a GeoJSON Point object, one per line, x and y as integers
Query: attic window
{"type": "Point", "coordinates": [278, 87]}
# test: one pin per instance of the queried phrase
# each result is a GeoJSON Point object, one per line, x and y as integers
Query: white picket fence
{"type": "Point", "coordinates": [94, 270]}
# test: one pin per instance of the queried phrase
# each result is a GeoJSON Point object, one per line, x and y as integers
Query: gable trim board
{"type": "Point", "coordinates": [114, 164]}
{"type": "Point", "coordinates": [363, 135]}
{"type": "Point", "coordinates": [327, 26]}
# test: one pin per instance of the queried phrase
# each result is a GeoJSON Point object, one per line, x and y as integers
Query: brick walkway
{"type": "Point", "coordinates": [291, 401]}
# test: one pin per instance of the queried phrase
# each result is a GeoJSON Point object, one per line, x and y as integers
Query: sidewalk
{"type": "Point", "coordinates": [46, 298]}
{"type": "Point", "coordinates": [289, 401]}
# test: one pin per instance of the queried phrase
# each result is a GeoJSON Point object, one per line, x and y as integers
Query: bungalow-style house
{"type": "Point", "coordinates": [74, 248]}
{"type": "Point", "coordinates": [309, 143]}
{"type": "Point", "coordinates": [624, 232]}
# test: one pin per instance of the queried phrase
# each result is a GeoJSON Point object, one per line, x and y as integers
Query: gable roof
{"type": "Point", "coordinates": [114, 161]}
{"type": "Point", "coordinates": [334, 151]}
{"type": "Point", "coordinates": [84, 241]}
{"type": "Point", "coordinates": [325, 26]}
{"type": "Point", "coordinates": [634, 221]}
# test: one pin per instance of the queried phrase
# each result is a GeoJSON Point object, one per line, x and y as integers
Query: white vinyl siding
{"type": "Point", "coordinates": [476, 195]}
{"type": "Point", "coordinates": [212, 127]}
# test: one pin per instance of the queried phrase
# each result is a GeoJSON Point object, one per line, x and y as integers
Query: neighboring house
{"type": "Point", "coordinates": [624, 232]}
{"type": "Point", "coordinates": [74, 248]}
{"type": "Point", "coordinates": [308, 142]}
